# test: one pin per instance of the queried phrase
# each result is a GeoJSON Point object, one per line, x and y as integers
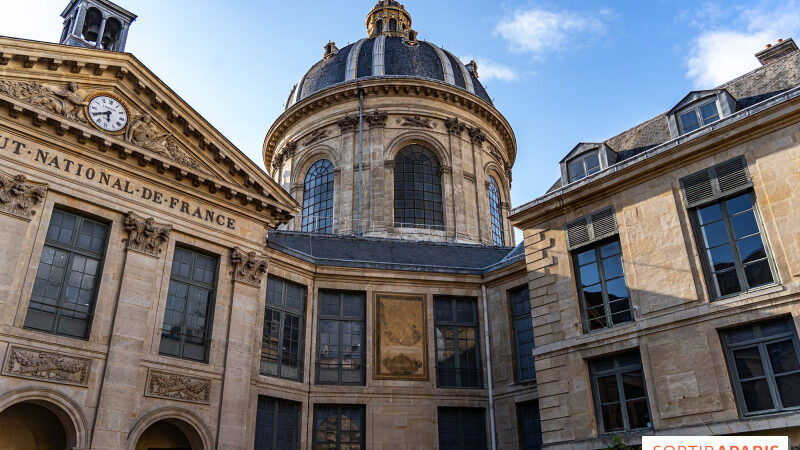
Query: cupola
{"type": "Point", "coordinates": [388, 18]}
{"type": "Point", "coordinates": [96, 24]}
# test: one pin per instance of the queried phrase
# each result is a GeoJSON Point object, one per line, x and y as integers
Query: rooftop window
{"type": "Point", "coordinates": [583, 167]}
{"type": "Point", "coordinates": [699, 116]}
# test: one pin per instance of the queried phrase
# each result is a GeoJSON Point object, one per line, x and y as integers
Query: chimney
{"type": "Point", "coordinates": [773, 52]}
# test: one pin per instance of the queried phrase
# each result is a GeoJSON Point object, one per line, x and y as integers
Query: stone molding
{"type": "Point", "coordinates": [145, 235]}
{"type": "Point", "coordinates": [286, 152]}
{"type": "Point", "coordinates": [454, 126]}
{"type": "Point", "coordinates": [376, 119]}
{"type": "Point", "coordinates": [315, 136]}
{"type": "Point", "coordinates": [46, 366]}
{"type": "Point", "coordinates": [416, 121]}
{"type": "Point", "coordinates": [177, 387]}
{"type": "Point", "coordinates": [248, 268]}
{"type": "Point", "coordinates": [18, 197]}
{"type": "Point", "coordinates": [347, 123]}
{"type": "Point", "coordinates": [477, 136]}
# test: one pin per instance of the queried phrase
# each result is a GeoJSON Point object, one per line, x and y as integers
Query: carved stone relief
{"type": "Point", "coordinates": [416, 121]}
{"type": "Point", "coordinates": [248, 268]}
{"type": "Point", "coordinates": [17, 197]}
{"type": "Point", "coordinates": [347, 123]}
{"type": "Point", "coordinates": [177, 387]}
{"type": "Point", "coordinates": [316, 135]}
{"type": "Point", "coordinates": [142, 132]}
{"type": "Point", "coordinates": [400, 337]}
{"type": "Point", "coordinates": [144, 235]}
{"type": "Point", "coordinates": [477, 136]}
{"type": "Point", "coordinates": [47, 366]}
{"type": "Point", "coordinates": [376, 119]}
{"type": "Point", "coordinates": [454, 126]}
{"type": "Point", "coordinates": [286, 152]}
{"type": "Point", "coordinates": [67, 102]}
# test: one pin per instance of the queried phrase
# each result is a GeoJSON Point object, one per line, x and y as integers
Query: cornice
{"type": "Point", "coordinates": [47, 57]}
{"type": "Point", "coordinates": [389, 87]}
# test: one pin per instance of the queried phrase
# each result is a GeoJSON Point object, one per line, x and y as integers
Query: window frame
{"type": "Point", "coordinates": [695, 107]}
{"type": "Point", "coordinates": [461, 424]}
{"type": "Point", "coordinates": [582, 160]}
{"type": "Point", "coordinates": [617, 371]}
{"type": "Point", "coordinates": [534, 404]}
{"type": "Point", "coordinates": [760, 342]}
{"type": "Point", "coordinates": [596, 245]}
{"type": "Point", "coordinates": [454, 324]}
{"type": "Point", "coordinates": [283, 310]}
{"type": "Point", "coordinates": [515, 338]}
{"type": "Point", "coordinates": [209, 322]}
{"type": "Point", "coordinates": [495, 211]}
{"type": "Point", "coordinates": [72, 249]}
{"type": "Point", "coordinates": [705, 263]}
{"type": "Point", "coordinates": [311, 226]}
{"type": "Point", "coordinates": [339, 408]}
{"type": "Point", "coordinates": [339, 319]}
{"type": "Point", "coordinates": [408, 151]}
{"type": "Point", "coordinates": [274, 425]}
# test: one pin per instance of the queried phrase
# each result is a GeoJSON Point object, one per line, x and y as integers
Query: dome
{"type": "Point", "coordinates": [390, 51]}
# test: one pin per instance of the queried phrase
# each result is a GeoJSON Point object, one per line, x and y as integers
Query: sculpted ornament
{"type": "Point", "coordinates": [18, 197]}
{"type": "Point", "coordinates": [248, 268]}
{"type": "Point", "coordinates": [416, 121]}
{"type": "Point", "coordinates": [64, 102]}
{"type": "Point", "coordinates": [142, 132]}
{"type": "Point", "coordinates": [454, 126]}
{"type": "Point", "coordinates": [316, 135]}
{"type": "Point", "coordinates": [144, 235]}
{"type": "Point", "coordinates": [286, 152]}
{"type": "Point", "coordinates": [477, 136]}
{"type": "Point", "coordinates": [47, 366]}
{"type": "Point", "coordinates": [347, 123]}
{"type": "Point", "coordinates": [376, 119]}
{"type": "Point", "coordinates": [178, 387]}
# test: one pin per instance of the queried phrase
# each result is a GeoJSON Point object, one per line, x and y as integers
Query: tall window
{"type": "Point", "coordinates": [277, 424]}
{"type": "Point", "coordinates": [340, 358]}
{"type": "Point", "coordinates": [523, 332]}
{"type": "Point", "coordinates": [495, 210]}
{"type": "Point", "coordinates": [282, 342]}
{"type": "Point", "coordinates": [728, 229]}
{"type": "Point", "coordinates": [457, 355]}
{"type": "Point", "coordinates": [186, 332]}
{"type": "Point", "coordinates": [584, 166]}
{"type": "Point", "coordinates": [417, 188]}
{"type": "Point", "coordinates": [764, 365]}
{"type": "Point", "coordinates": [66, 282]}
{"type": "Point", "coordinates": [339, 427]}
{"type": "Point", "coordinates": [462, 429]}
{"type": "Point", "coordinates": [699, 116]}
{"type": "Point", "coordinates": [318, 198]}
{"type": "Point", "coordinates": [601, 283]}
{"type": "Point", "coordinates": [530, 426]}
{"type": "Point", "coordinates": [619, 393]}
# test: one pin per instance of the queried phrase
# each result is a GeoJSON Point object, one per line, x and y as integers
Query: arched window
{"type": "Point", "coordinates": [392, 25]}
{"type": "Point", "coordinates": [494, 210]}
{"type": "Point", "coordinates": [318, 198]}
{"type": "Point", "coordinates": [417, 188]}
{"type": "Point", "coordinates": [379, 26]}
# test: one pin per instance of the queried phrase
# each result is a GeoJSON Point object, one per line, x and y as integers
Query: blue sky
{"type": "Point", "coordinates": [561, 72]}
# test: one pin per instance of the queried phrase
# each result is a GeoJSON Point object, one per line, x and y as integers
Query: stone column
{"type": "Point", "coordinates": [102, 30]}
{"type": "Point", "coordinates": [374, 222]}
{"type": "Point", "coordinates": [16, 209]}
{"type": "Point", "coordinates": [477, 137]}
{"type": "Point", "coordinates": [346, 193]}
{"type": "Point", "coordinates": [455, 129]}
{"type": "Point", "coordinates": [119, 395]}
{"type": "Point", "coordinates": [248, 271]}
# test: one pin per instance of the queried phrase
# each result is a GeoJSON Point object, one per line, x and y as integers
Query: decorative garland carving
{"type": "Point", "coordinates": [144, 235]}
{"type": "Point", "coordinates": [315, 136]}
{"type": "Point", "coordinates": [477, 136]}
{"type": "Point", "coordinates": [377, 119]}
{"type": "Point", "coordinates": [416, 121]}
{"type": "Point", "coordinates": [47, 366]}
{"type": "Point", "coordinates": [17, 197]}
{"type": "Point", "coordinates": [64, 102]}
{"type": "Point", "coordinates": [347, 123]}
{"type": "Point", "coordinates": [286, 152]}
{"type": "Point", "coordinates": [248, 268]}
{"type": "Point", "coordinates": [178, 387]}
{"type": "Point", "coordinates": [454, 126]}
{"type": "Point", "coordinates": [142, 132]}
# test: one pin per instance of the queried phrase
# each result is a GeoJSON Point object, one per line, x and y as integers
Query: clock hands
{"type": "Point", "coordinates": [107, 114]}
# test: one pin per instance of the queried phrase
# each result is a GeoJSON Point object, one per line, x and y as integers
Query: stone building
{"type": "Point", "coordinates": [160, 290]}
{"type": "Point", "coordinates": [663, 270]}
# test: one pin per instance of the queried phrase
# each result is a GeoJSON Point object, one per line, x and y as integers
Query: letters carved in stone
{"type": "Point", "coordinates": [178, 387]}
{"type": "Point", "coordinates": [47, 366]}
{"type": "Point", "coordinates": [17, 197]}
{"type": "Point", "coordinates": [144, 235]}
{"type": "Point", "coordinates": [248, 267]}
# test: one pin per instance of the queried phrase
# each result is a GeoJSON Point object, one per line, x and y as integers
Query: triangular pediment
{"type": "Point", "coordinates": [56, 83]}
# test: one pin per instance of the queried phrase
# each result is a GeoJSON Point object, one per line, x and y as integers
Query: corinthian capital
{"type": "Point", "coordinates": [17, 196]}
{"type": "Point", "coordinates": [248, 268]}
{"type": "Point", "coordinates": [145, 235]}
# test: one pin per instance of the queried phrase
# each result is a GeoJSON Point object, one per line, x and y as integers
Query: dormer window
{"type": "Point", "coordinates": [699, 116]}
{"type": "Point", "coordinates": [583, 167]}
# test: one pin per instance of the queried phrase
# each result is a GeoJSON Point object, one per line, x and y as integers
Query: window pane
{"type": "Point", "coordinates": [576, 171]}
{"type": "Point", "coordinates": [589, 274]}
{"type": "Point", "coordinates": [714, 234]}
{"type": "Point", "coordinates": [318, 191]}
{"type": "Point", "coordinates": [758, 273]}
{"type": "Point", "coordinates": [789, 390]}
{"type": "Point", "coordinates": [607, 388]}
{"type": "Point", "coordinates": [462, 428]}
{"type": "Point", "coordinates": [727, 283]}
{"type": "Point", "coordinates": [417, 178]}
{"type": "Point", "coordinates": [709, 214]}
{"type": "Point", "coordinates": [709, 113]}
{"type": "Point", "coordinates": [276, 424]}
{"type": "Point", "coordinates": [612, 417]}
{"type": "Point", "coordinates": [457, 353]}
{"type": "Point", "coordinates": [592, 164]}
{"type": "Point", "coordinates": [748, 363]}
{"type": "Point", "coordinates": [721, 257]}
{"type": "Point", "coordinates": [738, 204]}
{"type": "Point", "coordinates": [495, 211]}
{"type": "Point", "coordinates": [744, 224]}
{"type": "Point", "coordinates": [689, 121]}
{"type": "Point", "coordinates": [757, 396]}
{"type": "Point", "coordinates": [530, 425]}
{"type": "Point", "coordinates": [783, 357]}
{"type": "Point", "coordinates": [612, 267]}
{"type": "Point", "coordinates": [638, 414]}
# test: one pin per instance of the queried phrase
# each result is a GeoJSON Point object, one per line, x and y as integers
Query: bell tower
{"type": "Point", "coordinates": [96, 24]}
{"type": "Point", "coordinates": [388, 18]}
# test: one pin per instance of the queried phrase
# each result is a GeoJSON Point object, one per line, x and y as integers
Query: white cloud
{"type": "Point", "coordinates": [721, 54]}
{"type": "Point", "coordinates": [539, 31]}
{"type": "Point", "coordinates": [492, 70]}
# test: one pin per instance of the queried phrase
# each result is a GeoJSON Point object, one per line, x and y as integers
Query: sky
{"type": "Point", "coordinates": [561, 72]}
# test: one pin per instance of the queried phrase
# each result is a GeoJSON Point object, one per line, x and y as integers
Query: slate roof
{"type": "Point", "coordinates": [762, 83]}
{"type": "Point", "coordinates": [393, 254]}
{"type": "Point", "coordinates": [423, 60]}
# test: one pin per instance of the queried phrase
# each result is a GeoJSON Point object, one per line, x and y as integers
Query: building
{"type": "Point", "coordinates": [160, 290]}
{"type": "Point", "coordinates": [663, 268]}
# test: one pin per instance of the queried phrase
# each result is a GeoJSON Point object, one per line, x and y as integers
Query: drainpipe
{"type": "Point", "coordinates": [488, 365]}
{"type": "Point", "coordinates": [360, 151]}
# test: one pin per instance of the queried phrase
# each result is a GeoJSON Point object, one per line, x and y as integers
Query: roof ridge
{"type": "Point", "coordinates": [778, 60]}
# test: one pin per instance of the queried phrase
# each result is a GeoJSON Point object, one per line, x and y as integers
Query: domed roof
{"type": "Point", "coordinates": [391, 51]}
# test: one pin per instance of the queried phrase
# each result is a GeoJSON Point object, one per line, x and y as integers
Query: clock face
{"type": "Point", "coordinates": [107, 113]}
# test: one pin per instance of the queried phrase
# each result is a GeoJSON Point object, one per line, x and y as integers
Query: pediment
{"type": "Point", "coordinates": [52, 84]}
{"type": "Point", "coordinates": [694, 96]}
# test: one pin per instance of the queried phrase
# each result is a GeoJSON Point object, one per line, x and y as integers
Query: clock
{"type": "Point", "coordinates": [107, 113]}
